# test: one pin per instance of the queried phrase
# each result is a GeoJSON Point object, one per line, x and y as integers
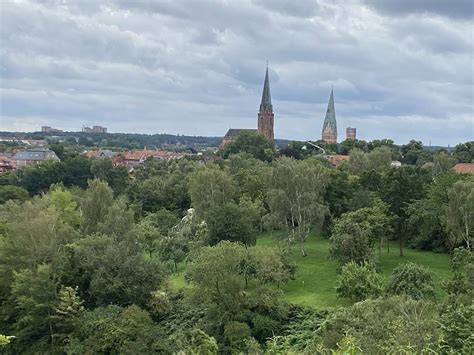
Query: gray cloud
{"type": "Point", "coordinates": [462, 9]}
{"type": "Point", "coordinates": [197, 67]}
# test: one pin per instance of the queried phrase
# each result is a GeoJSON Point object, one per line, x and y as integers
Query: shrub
{"type": "Point", "coordinates": [412, 280]}
{"type": "Point", "coordinates": [359, 282]}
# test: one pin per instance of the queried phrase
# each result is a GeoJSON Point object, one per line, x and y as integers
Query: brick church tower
{"type": "Point", "coordinates": [329, 134]}
{"type": "Point", "coordinates": [265, 114]}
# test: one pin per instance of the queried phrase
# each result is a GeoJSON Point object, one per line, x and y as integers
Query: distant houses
{"type": "Point", "coordinates": [464, 168]}
{"type": "Point", "coordinates": [33, 156]}
{"type": "Point", "coordinates": [134, 158]}
{"type": "Point", "coordinates": [6, 164]}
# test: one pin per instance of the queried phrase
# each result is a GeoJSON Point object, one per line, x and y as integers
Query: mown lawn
{"type": "Point", "coordinates": [314, 284]}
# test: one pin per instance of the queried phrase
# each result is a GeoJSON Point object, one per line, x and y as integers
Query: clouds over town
{"type": "Point", "coordinates": [400, 69]}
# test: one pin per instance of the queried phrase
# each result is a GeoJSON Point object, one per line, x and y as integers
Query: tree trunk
{"type": "Point", "coordinates": [402, 233]}
{"type": "Point", "coordinates": [175, 266]}
{"type": "Point", "coordinates": [303, 252]}
{"type": "Point", "coordinates": [380, 247]}
{"type": "Point", "coordinates": [401, 245]}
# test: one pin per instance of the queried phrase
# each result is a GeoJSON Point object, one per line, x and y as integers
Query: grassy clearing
{"type": "Point", "coordinates": [314, 284]}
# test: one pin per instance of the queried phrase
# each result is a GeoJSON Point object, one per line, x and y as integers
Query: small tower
{"type": "Point", "coordinates": [329, 134]}
{"type": "Point", "coordinates": [265, 114]}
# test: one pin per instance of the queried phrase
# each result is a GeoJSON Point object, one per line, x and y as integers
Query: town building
{"type": "Point", "coordinates": [232, 134]}
{"type": "Point", "coordinates": [350, 133]}
{"type": "Point", "coordinates": [136, 157]}
{"type": "Point", "coordinates": [265, 117]}
{"type": "Point", "coordinates": [464, 168]}
{"type": "Point", "coordinates": [6, 164]}
{"type": "Point", "coordinates": [33, 156]}
{"type": "Point", "coordinates": [329, 133]}
{"type": "Point", "coordinates": [94, 129]}
{"type": "Point", "coordinates": [336, 160]}
{"type": "Point", "coordinates": [100, 153]}
{"type": "Point", "coordinates": [395, 164]}
{"type": "Point", "coordinates": [48, 129]}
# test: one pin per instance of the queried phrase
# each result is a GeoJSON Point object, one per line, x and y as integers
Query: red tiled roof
{"type": "Point", "coordinates": [465, 168]}
{"type": "Point", "coordinates": [335, 160]}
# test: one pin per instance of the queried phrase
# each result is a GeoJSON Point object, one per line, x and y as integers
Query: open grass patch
{"type": "Point", "coordinates": [314, 284]}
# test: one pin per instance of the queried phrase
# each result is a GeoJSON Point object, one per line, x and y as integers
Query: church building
{"type": "Point", "coordinates": [329, 134]}
{"type": "Point", "coordinates": [265, 114]}
{"type": "Point", "coordinates": [265, 117]}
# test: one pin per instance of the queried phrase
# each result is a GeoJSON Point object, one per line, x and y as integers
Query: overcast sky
{"type": "Point", "coordinates": [401, 69]}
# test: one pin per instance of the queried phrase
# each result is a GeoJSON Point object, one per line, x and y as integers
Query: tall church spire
{"type": "Point", "coordinates": [266, 97]}
{"type": "Point", "coordinates": [329, 133]}
{"type": "Point", "coordinates": [265, 114]}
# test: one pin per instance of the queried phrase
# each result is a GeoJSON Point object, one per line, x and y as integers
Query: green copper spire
{"type": "Point", "coordinates": [266, 97]}
{"type": "Point", "coordinates": [330, 119]}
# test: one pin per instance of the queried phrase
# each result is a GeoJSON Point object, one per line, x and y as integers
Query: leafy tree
{"type": "Point", "coordinates": [108, 271]}
{"type": "Point", "coordinates": [229, 222]}
{"type": "Point", "coordinates": [460, 213]}
{"type": "Point", "coordinates": [291, 152]}
{"type": "Point", "coordinates": [391, 325]}
{"type": "Point", "coordinates": [162, 219]}
{"type": "Point", "coordinates": [148, 236]}
{"type": "Point", "coordinates": [411, 152]}
{"type": "Point", "coordinates": [10, 192]}
{"type": "Point", "coordinates": [113, 329]}
{"type": "Point", "coordinates": [373, 220]}
{"type": "Point", "coordinates": [174, 247]}
{"type": "Point", "coordinates": [75, 171]}
{"type": "Point", "coordinates": [37, 179]}
{"type": "Point", "coordinates": [412, 280]}
{"type": "Point", "coordinates": [218, 275]}
{"type": "Point", "coordinates": [250, 176]}
{"type": "Point", "coordinates": [359, 282]}
{"type": "Point", "coordinates": [464, 152]}
{"type": "Point", "coordinates": [350, 242]}
{"type": "Point", "coordinates": [442, 163]}
{"type": "Point", "coordinates": [457, 309]}
{"type": "Point", "coordinates": [118, 221]}
{"type": "Point", "coordinates": [61, 201]}
{"type": "Point", "coordinates": [271, 265]}
{"type": "Point", "coordinates": [358, 162]}
{"type": "Point", "coordinates": [196, 342]}
{"type": "Point", "coordinates": [427, 216]}
{"type": "Point", "coordinates": [380, 158]}
{"type": "Point", "coordinates": [252, 143]}
{"type": "Point", "coordinates": [399, 188]}
{"type": "Point", "coordinates": [167, 190]}
{"type": "Point", "coordinates": [382, 143]}
{"type": "Point", "coordinates": [346, 146]}
{"type": "Point", "coordinates": [58, 148]}
{"type": "Point", "coordinates": [68, 310]}
{"type": "Point", "coordinates": [34, 298]}
{"type": "Point", "coordinates": [95, 205]}
{"type": "Point", "coordinates": [115, 176]}
{"type": "Point", "coordinates": [296, 196]}
{"type": "Point", "coordinates": [237, 333]}
{"type": "Point", "coordinates": [340, 192]}
{"type": "Point", "coordinates": [210, 188]}
{"type": "Point", "coordinates": [32, 235]}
